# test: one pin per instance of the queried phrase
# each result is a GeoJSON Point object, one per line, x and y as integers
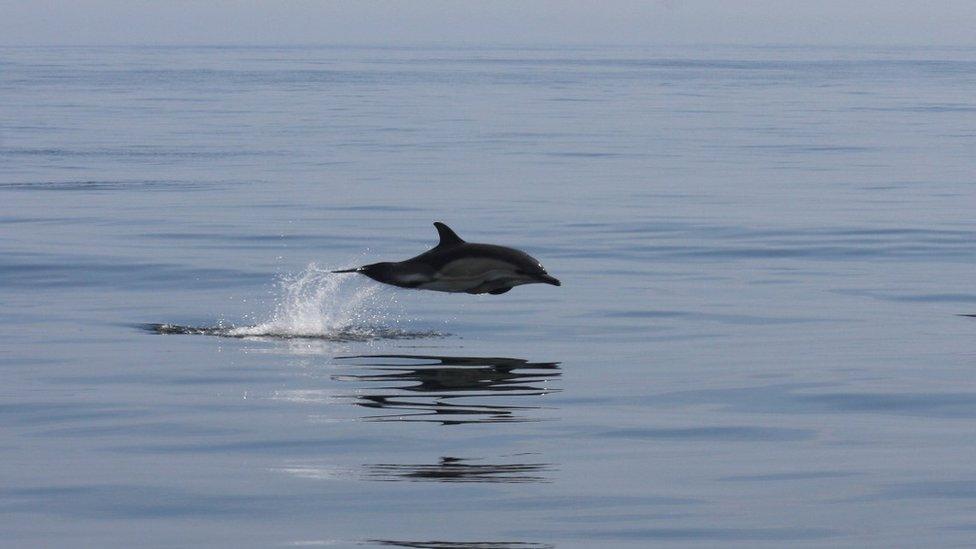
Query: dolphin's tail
{"type": "Point", "coordinates": [356, 270]}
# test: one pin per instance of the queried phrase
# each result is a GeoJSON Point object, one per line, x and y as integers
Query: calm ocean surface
{"type": "Point", "coordinates": [764, 254]}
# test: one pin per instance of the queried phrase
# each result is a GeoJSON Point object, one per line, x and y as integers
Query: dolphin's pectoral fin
{"type": "Point", "coordinates": [500, 291]}
{"type": "Point", "coordinates": [448, 236]}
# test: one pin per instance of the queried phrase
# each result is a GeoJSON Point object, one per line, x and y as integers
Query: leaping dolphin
{"type": "Point", "coordinates": [458, 266]}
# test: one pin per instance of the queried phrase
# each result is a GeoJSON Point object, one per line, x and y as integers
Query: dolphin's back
{"type": "Point", "coordinates": [440, 257]}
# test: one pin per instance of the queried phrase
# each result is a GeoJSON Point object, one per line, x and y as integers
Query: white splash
{"type": "Point", "coordinates": [317, 303]}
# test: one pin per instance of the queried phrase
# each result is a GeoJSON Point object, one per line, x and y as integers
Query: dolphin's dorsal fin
{"type": "Point", "coordinates": [448, 237]}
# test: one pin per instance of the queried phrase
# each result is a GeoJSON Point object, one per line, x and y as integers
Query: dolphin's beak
{"type": "Point", "coordinates": [549, 280]}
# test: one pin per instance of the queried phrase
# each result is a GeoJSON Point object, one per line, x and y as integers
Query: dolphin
{"type": "Point", "coordinates": [458, 266]}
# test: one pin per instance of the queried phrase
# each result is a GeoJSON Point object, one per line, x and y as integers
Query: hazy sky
{"type": "Point", "coordinates": [936, 22]}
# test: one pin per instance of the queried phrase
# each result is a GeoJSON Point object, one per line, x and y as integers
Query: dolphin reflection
{"type": "Point", "coordinates": [452, 469]}
{"type": "Point", "coordinates": [450, 390]}
{"type": "Point", "coordinates": [461, 544]}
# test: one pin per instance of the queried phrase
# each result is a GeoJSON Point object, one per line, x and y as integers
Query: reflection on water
{"type": "Point", "coordinates": [446, 469]}
{"type": "Point", "coordinates": [452, 469]}
{"type": "Point", "coordinates": [460, 544]}
{"type": "Point", "coordinates": [450, 390]}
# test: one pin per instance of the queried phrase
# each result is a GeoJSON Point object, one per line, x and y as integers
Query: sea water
{"type": "Point", "coordinates": [764, 254]}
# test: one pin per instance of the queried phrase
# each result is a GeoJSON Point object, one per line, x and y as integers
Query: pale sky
{"type": "Point", "coordinates": [840, 22]}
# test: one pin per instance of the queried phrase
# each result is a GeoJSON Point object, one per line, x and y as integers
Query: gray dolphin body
{"type": "Point", "coordinates": [458, 266]}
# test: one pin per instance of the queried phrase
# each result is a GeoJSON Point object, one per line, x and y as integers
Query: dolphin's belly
{"type": "Point", "coordinates": [476, 267]}
{"type": "Point", "coordinates": [466, 284]}
{"type": "Point", "coordinates": [465, 275]}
